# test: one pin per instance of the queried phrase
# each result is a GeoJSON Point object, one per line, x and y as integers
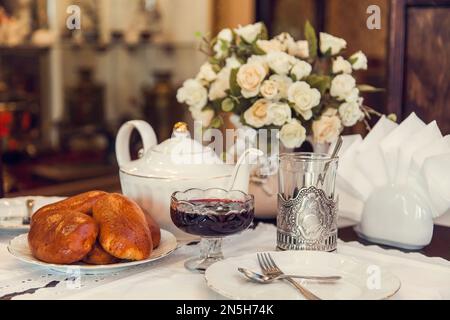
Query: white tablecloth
{"type": "Point", "coordinates": [421, 277]}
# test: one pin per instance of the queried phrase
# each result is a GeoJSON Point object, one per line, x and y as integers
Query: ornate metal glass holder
{"type": "Point", "coordinates": [307, 208]}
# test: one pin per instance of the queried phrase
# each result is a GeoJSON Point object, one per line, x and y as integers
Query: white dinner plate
{"type": "Point", "coordinates": [19, 248]}
{"type": "Point", "coordinates": [360, 280]}
{"type": "Point", "coordinates": [12, 210]}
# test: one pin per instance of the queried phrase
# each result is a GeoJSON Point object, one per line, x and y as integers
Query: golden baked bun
{"type": "Point", "coordinates": [124, 232]}
{"type": "Point", "coordinates": [82, 202]}
{"type": "Point", "coordinates": [99, 256]}
{"type": "Point", "coordinates": [61, 236]}
{"type": "Point", "coordinates": [155, 230]}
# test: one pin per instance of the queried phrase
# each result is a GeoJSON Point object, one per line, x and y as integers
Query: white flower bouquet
{"type": "Point", "coordinates": [300, 87]}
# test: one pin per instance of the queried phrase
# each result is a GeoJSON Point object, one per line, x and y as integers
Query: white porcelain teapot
{"type": "Point", "coordinates": [178, 163]}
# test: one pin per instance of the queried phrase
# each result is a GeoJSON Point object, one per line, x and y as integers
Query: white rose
{"type": "Point", "coordinates": [299, 49]}
{"type": "Point", "coordinates": [292, 134]}
{"type": "Point", "coordinates": [269, 45]}
{"type": "Point", "coordinates": [327, 41]}
{"type": "Point", "coordinates": [304, 98]}
{"type": "Point", "coordinates": [341, 65]}
{"type": "Point", "coordinates": [301, 69]}
{"type": "Point", "coordinates": [220, 85]}
{"type": "Point", "coordinates": [249, 78]}
{"type": "Point", "coordinates": [204, 116]}
{"type": "Point", "coordinates": [285, 39]}
{"type": "Point", "coordinates": [206, 73]}
{"type": "Point", "coordinates": [220, 49]}
{"type": "Point", "coordinates": [260, 59]}
{"type": "Point", "coordinates": [225, 35]}
{"type": "Point", "coordinates": [342, 86]}
{"type": "Point", "coordinates": [269, 89]}
{"type": "Point", "coordinates": [249, 32]}
{"type": "Point", "coordinates": [193, 93]}
{"type": "Point", "coordinates": [360, 60]}
{"type": "Point", "coordinates": [327, 128]}
{"type": "Point", "coordinates": [350, 113]}
{"type": "Point", "coordinates": [279, 113]}
{"type": "Point", "coordinates": [280, 62]}
{"type": "Point", "coordinates": [353, 96]}
{"type": "Point", "coordinates": [283, 83]}
{"type": "Point", "coordinates": [257, 116]}
{"type": "Point", "coordinates": [232, 62]}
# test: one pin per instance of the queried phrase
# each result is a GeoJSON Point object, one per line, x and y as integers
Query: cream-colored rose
{"type": "Point", "coordinates": [280, 62]}
{"type": "Point", "coordinates": [301, 69]}
{"type": "Point", "coordinates": [283, 83]}
{"type": "Point", "coordinates": [340, 65]}
{"type": "Point", "coordinates": [220, 85]}
{"type": "Point", "coordinates": [327, 41]}
{"type": "Point", "coordinates": [193, 94]}
{"type": "Point", "coordinates": [327, 128]}
{"type": "Point", "coordinates": [354, 97]}
{"type": "Point", "coordinates": [299, 49]}
{"type": "Point", "coordinates": [342, 86]}
{"type": "Point", "coordinates": [249, 32]}
{"type": "Point", "coordinates": [257, 116]}
{"type": "Point", "coordinates": [360, 60]}
{"type": "Point", "coordinates": [279, 113]}
{"type": "Point", "coordinates": [206, 73]}
{"type": "Point", "coordinates": [269, 90]}
{"type": "Point", "coordinates": [304, 98]}
{"type": "Point", "coordinates": [269, 45]}
{"type": "Point", "coordinates": [292, 134]}
{"type": "Point", "coordinates": [249, 78]}
{"type": "Point", "coordinates": [350, 113]}
{"type": "Point", "coordinates": [204, 116]}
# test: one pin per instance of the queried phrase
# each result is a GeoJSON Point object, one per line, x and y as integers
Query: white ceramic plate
{"type": "Point", "coordinates": [18, 247]}
{"type": "Point", "coordinates": [12, 210]}
{"type": "Point", "coordinates": [224, 278]}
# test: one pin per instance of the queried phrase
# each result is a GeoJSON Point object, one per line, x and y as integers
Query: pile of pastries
{"type": "Point", "coordinates": [93, 227]}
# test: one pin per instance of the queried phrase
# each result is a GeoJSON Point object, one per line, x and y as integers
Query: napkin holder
{"type": "Point", "coordinates": [401, 175]}
{"type": "Point", "coordinates": [406, 215]}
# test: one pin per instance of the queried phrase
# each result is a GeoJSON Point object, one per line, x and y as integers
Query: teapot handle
{"type": "Point", "coordinates": [123, 139]}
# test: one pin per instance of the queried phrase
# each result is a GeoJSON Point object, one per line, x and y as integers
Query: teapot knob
{"type": "Point", "coordinates": [180, 129]}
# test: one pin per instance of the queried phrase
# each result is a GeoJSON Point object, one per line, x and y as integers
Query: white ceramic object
{"type": "Point", "coordinates": [19, 248]}
{"type": "Point", "coordinates": [12, 210]}
{"type": "Point", "coordinates": [398, 216]}
{"type": "Point", "coordinates": [176, 164]}
{"type": "Point", "coordinates": [224, 278]}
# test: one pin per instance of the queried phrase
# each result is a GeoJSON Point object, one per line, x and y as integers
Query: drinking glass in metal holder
{"type": "Point", "coordinates": [307, 208]}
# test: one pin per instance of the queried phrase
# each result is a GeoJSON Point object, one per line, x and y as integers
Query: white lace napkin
{"type": "Point", "coordinates": [421, 277]}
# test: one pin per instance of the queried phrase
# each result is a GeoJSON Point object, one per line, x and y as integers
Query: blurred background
{"type": "Point", "coordinates": [64, 93]}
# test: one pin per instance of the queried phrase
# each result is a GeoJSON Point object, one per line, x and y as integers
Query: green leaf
{"type": "Point", "coordinates": [198, 34]}
{"type": "Point", "coordinates": [257, 50]}
{"type": "Point", "coordinates": [311, 37]}
{"type": "Point", "coordinates": [352, 60]}
{"type": "Point", "coordinates": [227, 105]}
{"type": "Point", "coordinates": [321, 83]}
{"type": "Point", "coordinates": [264, 35]}
{"type": "Point", "coordinates": [368, 88]}
{"type": "Point", "coordinates": [234, 87]}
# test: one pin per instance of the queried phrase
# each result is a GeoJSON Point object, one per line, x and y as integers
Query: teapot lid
{"type": "Point", "coordinates": [177, 157]}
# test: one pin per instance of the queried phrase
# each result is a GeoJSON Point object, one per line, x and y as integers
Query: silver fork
{"type": "Point", "coordinates": [270, 268]}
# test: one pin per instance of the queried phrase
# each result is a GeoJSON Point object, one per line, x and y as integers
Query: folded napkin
{"type": "Point", "coordinates": [391, 143]}
{"type": "Point", "coordinates": [369, 158]}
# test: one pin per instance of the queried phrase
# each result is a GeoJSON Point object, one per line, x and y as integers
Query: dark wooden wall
{"type": "Point", "coordinates": [419, 60]}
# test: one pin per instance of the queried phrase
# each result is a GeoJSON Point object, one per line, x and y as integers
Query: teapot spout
{"type": "Point", "coordinates": [241, 172]}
